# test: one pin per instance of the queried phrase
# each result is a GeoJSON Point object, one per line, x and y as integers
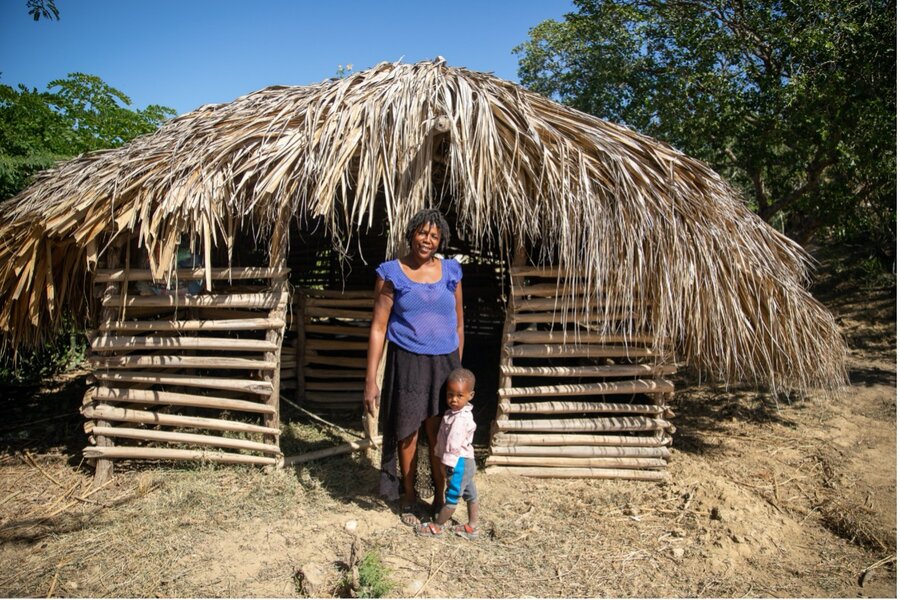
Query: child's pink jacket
{"type": "Point", "coordinates": [455, 436]}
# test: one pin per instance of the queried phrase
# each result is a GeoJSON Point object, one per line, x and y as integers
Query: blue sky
{"type": "Point", "coordinates": [186, 53]}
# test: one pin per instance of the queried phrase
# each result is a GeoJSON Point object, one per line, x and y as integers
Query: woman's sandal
{"type": "Point", "coordinates": [464, 530]}
{"type": "Point", "coordinates": [408, 516]}
{"type": "Point", "coordinates": [430, 530]}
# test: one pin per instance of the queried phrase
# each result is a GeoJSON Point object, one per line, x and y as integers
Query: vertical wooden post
{"type": "Point", "coordinates": [509, 325]}
{"type": "Point", "coordinates": [300, 319]}
{"type": "Point", "coordinates": [277, 260]}
{"type": "Point", "coordinates": [103, 469]}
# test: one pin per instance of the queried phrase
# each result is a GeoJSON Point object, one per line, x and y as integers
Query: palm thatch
{"type": "Point", "coordinates": [654, 230]}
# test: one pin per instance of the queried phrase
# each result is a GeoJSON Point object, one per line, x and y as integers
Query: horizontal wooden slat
{"type": "Point", "coordinates": [564, 461]}
{"type": "Point", "coordinates": [347, 330]}
{"type": "Point", "coordinates": [573, 337]}
{"type": "Point", "coordinates": [180, 362]}
{"type": "Point", "coordinates": [577, 439]}
{"type": "Point", "coordinates": [250, 386]}
{"type": "Point", "coordinates": [105, 275]}
{"type": "Point", "coordinates": [579, 473]}
{"type": "Point", "coordinates": [583, 451]}
{"type": "Point", "coordinates": [539, 271]}
{"type": "Point", "coordinates": [311, 293]}
{"type": "Point", "coordinates": [333, 361]}
{"type": "Point", "coordinates": [553, 407]}
{"type": "Point", "coordinates": [252, 300]}
{"type": "Point", "coordinates": [339, 386]}
{"type": "Point", "coordinates": [176, 437]}
{"type": "Point", "coordinates": [600, 388]}
{"type": "Point", "coordinates": [570, 317]}
{"type": "Point", "coordinates": [107, 394]}
{"type": "Point", "coordinates": [336, 397]}
{"type": "Point", "coordinates": [582, 425]}
{"type": "Point", "coordinates": [549, 289]}
{"type": "Point", "coordinates": [323, 311]}
{"type": "Point", "coordinates": [342, 302]}
{"type": "Point", "coordinates": [109, 343]}
{"type": "Point", "coordinates": [541, 350]}
{"type": "Point", "coordinates": [194, 325]}
{"type": "Point", "coordinates": [592, 371]}
{"type": "Point", "coordinates": [335, 345]}
{"type": "Point", "coordinates": [140, 452]}
{"type": "Point", "coordinates": [577, 304]}
{"type": "Point", "coordinates": [314, 372]}
{"type": "Point", "coordinates": [105, 412]}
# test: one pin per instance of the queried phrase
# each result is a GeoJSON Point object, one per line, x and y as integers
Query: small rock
{"type": "Point", "coordinates": [351, 525]}
{"type": "Point", "coordinates": [412, 588]}
{"type": "Point", "coordinates": [678, 552]}
{"type": "Point", "coordinates": [629, 511]}
{"type": "Point", "coordinates": [311, 578]}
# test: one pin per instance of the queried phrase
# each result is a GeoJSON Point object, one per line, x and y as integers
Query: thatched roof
{"type": "Point", "coordinates": [653, 228]}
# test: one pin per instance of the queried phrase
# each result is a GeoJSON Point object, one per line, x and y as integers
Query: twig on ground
{"type": "Point", "coordinates": [436, 571]}
{"type": "Point", "coordinates": [30, 460]}
{"type": "Point", "coordinates": [320, 419]}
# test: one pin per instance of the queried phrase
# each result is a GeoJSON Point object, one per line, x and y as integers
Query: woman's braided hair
{"type": "Point", "coordinates": [428, 216]}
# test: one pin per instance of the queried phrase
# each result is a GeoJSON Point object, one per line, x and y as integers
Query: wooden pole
{"type": "Point", "coordinates": [301, 328]}
{"type": "Point", "coordinates": [579, 473]}
{"type": "Point", "coordinates": [104, 467]}
{"type": "Point", "coordinates": [107, 453]}
{"type": "Point", "coordinates": [345, 448]}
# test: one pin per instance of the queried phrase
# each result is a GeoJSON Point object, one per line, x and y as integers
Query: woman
{"type": "Point", "coordinates": [418, 308]}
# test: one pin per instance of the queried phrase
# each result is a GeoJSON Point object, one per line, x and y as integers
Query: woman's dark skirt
{"type": "Point", "coordinates": [414, 388]}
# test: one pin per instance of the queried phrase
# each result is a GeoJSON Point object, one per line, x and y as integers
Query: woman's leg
{"type": "Point", "coordinates": [432, 425]}
{"type": "Point", "coordinates": [406, 450]}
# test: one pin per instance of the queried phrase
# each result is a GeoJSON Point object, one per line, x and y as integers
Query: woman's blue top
{"type": "Point", "coordinates": [423, 318]}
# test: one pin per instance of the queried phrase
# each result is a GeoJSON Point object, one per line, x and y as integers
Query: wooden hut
{"type": "Point", "coordinates": [227, 258]}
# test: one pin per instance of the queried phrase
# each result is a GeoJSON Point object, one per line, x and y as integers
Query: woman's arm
{"type": "Point", "coordinates": [384, 300]}
{"type": "Point", "coordinates": [459, 318]}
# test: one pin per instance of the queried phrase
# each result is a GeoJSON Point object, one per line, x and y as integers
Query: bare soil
{"type": "Point", "coordinates": [794, 498]}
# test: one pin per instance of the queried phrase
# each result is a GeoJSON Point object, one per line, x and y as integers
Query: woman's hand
{"type": "Point", "coordinates": [371, 397]}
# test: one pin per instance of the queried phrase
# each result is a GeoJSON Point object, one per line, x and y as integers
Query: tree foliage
{"type": "Point", "coordinates": [793, 101]}
{"type": "Point", "coordinates": [77, 114]}
{"type": "Point", "coordinates": [74, 115]}
{"type": "Point", "coordinates": [42, 9]}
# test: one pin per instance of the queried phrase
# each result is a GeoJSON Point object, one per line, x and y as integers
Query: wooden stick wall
{"type": "Point", "coordinates": [573, 403]}
{"type": "Point", "coordinates": [183, 374]}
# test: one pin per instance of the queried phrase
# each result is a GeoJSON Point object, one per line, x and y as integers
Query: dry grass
{"type": "Point", "coordinates": [650, 228]}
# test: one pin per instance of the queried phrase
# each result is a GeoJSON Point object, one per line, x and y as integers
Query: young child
{"type": "Point", "coordinates": [454, 448]}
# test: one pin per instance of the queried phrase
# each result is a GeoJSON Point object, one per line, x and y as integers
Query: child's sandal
{"type": "Point", "coordinates": [464, 530]}
{"type": "Point", "coordinates": [430, 530]}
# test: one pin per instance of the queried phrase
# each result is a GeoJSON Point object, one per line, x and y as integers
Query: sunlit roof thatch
{"type": "Point", "coordinates": [652, 228]}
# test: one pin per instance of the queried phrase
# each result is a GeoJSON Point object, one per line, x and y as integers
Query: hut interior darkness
{"type": "Point", "coordinates": [226, 262]}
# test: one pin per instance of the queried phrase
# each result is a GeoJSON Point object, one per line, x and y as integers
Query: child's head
{"type": "Point", "coordinates": [460, 388]}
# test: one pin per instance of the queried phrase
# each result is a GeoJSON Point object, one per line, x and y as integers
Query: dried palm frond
{"type": "Point", "coordinates": [653, 229]}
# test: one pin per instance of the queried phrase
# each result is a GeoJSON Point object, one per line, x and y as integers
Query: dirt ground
{"type": "Point", "coordinates": [796, 498]}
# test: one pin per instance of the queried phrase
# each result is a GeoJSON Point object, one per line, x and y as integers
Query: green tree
{"type": "Point", "coordinates": [77, 114]}
{"type": "Point", "coordinates": [42, 9]}
{"type": "Point", "coordinates": [793, 101]}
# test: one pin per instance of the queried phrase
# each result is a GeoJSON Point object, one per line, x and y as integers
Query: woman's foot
{"type": "Point", "coordinates": [408, 515]}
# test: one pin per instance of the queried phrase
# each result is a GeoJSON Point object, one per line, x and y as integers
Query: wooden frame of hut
{"type": "Point", "coordinates": [610, 255]}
